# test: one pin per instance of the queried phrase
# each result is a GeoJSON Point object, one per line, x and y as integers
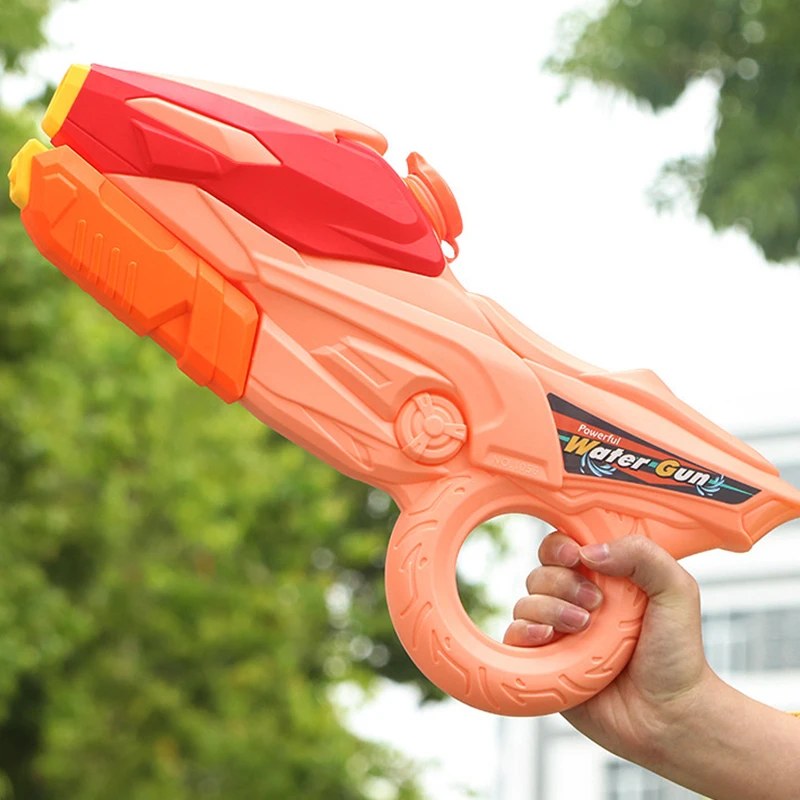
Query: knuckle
{"type": "Point", "coordinates": [639, 545]}
{"type": "Point", "coordinates": [548, 545]}
{"type": "Point", "coordinates": [551, 544]}
{"type": "Point", "coordinates": [553, 582]}
{"type": "Point", "coordinates": [533, 608]}
{"type": "Point", "coordinates": [565, 584]}
{"type": "Point", "coordinates": [534, 579]}
{"type": "Point", "coordinates": [643, 550]}
{"type": "Point", "coordinates": [521, 608]}
{"type": "Point", "coordinates": [513, 633]}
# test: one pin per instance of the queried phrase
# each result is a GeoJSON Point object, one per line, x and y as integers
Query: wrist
{"type": "Point", "coordinates": [680, 722]}
{"type": "Point", "coordinates": [729, 746]}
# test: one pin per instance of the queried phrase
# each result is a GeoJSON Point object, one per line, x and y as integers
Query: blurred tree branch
{"type": "Point", "coordinates": [652, 50]}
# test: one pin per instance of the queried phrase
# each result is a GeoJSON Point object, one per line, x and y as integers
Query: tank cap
{"type": "Point", "coordinates": [437, 200]}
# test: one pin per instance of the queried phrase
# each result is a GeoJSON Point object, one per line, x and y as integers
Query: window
{"type": "Point", "coordinates": [753, 641]}
{"type": "Point", "coordinates": [790, 473]}
{"type": "Point", "coordinates": [725, 638]}
{"type": "Point", "coordinates": [776, 640]}
{"type": "Point", "coordinates": [626, 781]}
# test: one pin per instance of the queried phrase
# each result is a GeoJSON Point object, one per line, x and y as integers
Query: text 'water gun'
{"type": "Point", "coordinates": [269, 248]}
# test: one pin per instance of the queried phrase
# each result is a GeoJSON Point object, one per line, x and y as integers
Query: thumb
{"type": "Point", "coordinates": [646, 564]}
{"type": "Point", "coordinates": [668, 661]}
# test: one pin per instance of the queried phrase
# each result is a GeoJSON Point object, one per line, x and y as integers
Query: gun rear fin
{"type": "Point", "coordinates": [645, 387]}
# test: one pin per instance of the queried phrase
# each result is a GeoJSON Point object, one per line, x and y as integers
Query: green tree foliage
{"type": "Point", "coordinates": [652, 49]}
{"type": "Point", "coordinates": [180, 587]}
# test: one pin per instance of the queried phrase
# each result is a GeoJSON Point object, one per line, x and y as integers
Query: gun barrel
{"type": "Point", "coordinates": [133, 266]}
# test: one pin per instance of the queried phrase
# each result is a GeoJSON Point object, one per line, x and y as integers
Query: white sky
{"type": "Point", "coordinates": [557, 227]}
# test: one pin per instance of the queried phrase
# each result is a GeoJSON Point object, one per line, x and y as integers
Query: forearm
{"type": "Point", "coordinates": [731, 747]}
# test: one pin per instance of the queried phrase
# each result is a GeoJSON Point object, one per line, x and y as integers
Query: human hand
{"type": "Point", "coordinates": [641, 712]}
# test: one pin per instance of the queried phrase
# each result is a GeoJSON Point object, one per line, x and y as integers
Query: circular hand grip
{"type": "Point", "coordinates": [454, 653]}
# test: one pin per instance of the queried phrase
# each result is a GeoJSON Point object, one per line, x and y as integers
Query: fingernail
{"type": "Point", "coordinates": [568, 554]}
{"type": "Point", "coordinates": [539, 632]}
{"type": "Point", "coordinates": [574, 617]}
{"type": "Point", "coordinates": [595, 552]}
{"type": "Point", "coordinates": [589, 596]}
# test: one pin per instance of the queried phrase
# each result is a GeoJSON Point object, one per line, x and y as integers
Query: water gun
{"type": "Point", "coordinates": [272, 251]}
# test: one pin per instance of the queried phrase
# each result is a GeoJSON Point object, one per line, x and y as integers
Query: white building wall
{"type": "Point", "coordinates": [545, 759]}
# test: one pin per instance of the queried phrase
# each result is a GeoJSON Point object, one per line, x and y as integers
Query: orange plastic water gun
{"type": "Point", "coordinates": [268, 246]}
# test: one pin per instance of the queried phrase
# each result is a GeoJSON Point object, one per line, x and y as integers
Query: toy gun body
{"type": "Point", "coordinates": [273, 252]}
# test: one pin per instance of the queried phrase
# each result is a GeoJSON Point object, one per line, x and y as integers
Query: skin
{"type": "Point", "coordinates": [667, 711]}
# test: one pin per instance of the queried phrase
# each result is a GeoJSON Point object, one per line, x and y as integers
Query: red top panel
{"type": "Point", "coordinates": [338, 199]}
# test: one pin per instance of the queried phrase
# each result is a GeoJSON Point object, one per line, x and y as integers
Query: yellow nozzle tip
{"type": "Point", "coordinates": [65, 96]}
{"type": "Point", "coordinates": [19, 176]}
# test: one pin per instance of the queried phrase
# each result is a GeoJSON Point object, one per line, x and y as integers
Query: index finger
{"type": "Point", "coordinates": [559, 550]}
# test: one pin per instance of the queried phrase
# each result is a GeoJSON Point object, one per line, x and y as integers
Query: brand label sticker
{"type": "Point", "coordinates": [598, 449]}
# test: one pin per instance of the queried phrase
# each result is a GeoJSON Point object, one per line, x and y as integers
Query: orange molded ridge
{"type": "Point", "coordinates": [140, 272]}
{"type": "Point", "coordinates": [234, 143]}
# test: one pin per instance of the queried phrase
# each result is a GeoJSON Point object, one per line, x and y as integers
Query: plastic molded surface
{"type": "Point", "coordinates": [336, 198]}
{"type": "Point", "coordinates": [139, 271]}
{"type": "Point", "coordinates": [250, 235]}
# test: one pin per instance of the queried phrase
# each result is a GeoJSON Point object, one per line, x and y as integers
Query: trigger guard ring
{"type": "Point", "coordinates": [453, 652]}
